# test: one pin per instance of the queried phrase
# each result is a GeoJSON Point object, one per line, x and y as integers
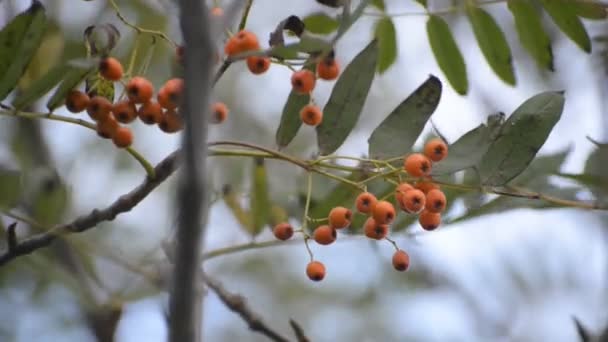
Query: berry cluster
{"type": "Point", "coordinates": [139, 103]}
{"type": "Point", "coordinates": [423, 198]}
{"type": "Point", "coordinates": [303, 81]}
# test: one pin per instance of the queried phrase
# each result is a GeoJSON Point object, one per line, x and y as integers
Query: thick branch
{"type": "Point", "coordinates": [237, 304]}
{"type": "Point", "coordinates": [123, 204]}
{"type": "Point", "coordinates": [185, 301]}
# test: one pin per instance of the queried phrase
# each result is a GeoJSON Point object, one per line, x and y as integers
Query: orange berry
{"type": "Point", "coordinates": [241, 42]}
{"type": "Point", "coordinates": [413, 201]}
{"type": "Point", "coordinates": [435, 201]}
{"type": "Point", "coordinates": [140, 90]}
{"type": "Point", "coordinates": [340, 217]}
{"type": "Point", "coordinates": [311, 115]}
{"type": "Point", "coordinates": [219, 113]}
{"type": "Point", "coordinates": [99, 108]}
{"type": "Point", "coordinates": [122, 137]}
{"type": "Point", "coordinates": [110, 69]}
{"type": "Point", "coordinates": [328, 69]}
{"type": "Point", "coordinates": [150, 113]}
{"type": "Point", "coordinates": [401, 260]}
{"type": "Point", "coordinates": [315, 271]}
{"type": "Point", "coordinates": [283, 231]}
{"type": "Point", "coordinates": [383, 212]}
{"type": "Point", "coordinates": [324, 235]}
{"type": "Point", "coordinates": [303, 81]}
{"type": "Point", "coordinates": [429, 220]}
{"type": "Point", "coordinates": [76, 101]}
{"type": "Point", "coordinates": [171, 122]}
{"type": "Point", "coordinates": [417, 165]}
{"type": "Point", "coordinates": [436, 149]}
{"type": "Point", "coordinates": [400, 191]}
{"type": "Point", "coordinates": [169, 96]}
{"type": "Point", "coordinates": [124, 111]}
{"type": "Point", "coordinates": [375, 230]}
{"type": "Point", "coordinates": [425, 186]}
{"type": "Point", "coordinates": [365, 202]}
{"type": "Point", "coordinates": [258, 64]}
{"type": "Point", "coordinates": [107, 127]}
{"type": "Point", "coordinates": [217, 11]}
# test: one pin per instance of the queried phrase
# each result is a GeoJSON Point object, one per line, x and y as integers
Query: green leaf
{"type": "Point", "coordinates": [290, 118]}
{"type": "Point", "coordinates": [590, 10]}
{"type": "Point", "coordinates": [320, 23]}
{"type": "Point", "coordinates": [468, 150]}
{"type": "Point", "coordinates": [71, 79]}
{"type": "Point", "coordinates": [40, 87]}
{"type": "Point", "coordinates": [22, 37]}
{"type": "Point", "coordinates": [344, 106]}
{"type": "Point", "coordinates": [386, 35]}
{"type": "Point", "coordinates": [12, 187]}
{"type": "Point", "coordinates": [396, 135]}
{"type": "Point", "coordinates": [50, 201]}
{"type": "Point", "coordinates": [563, 13]}
{"type": "Point", "coordinates": [447, 53]}
{"type": "Point", "coordinates": [531, 33]}
{"type": "Point", "coordinates": [492, 43]}
{"type": "Point", "coordinates": [95, 85]}
{"type": "Point", "coordinates": [379, 4]}
{"type": "Point", "coordinates": [423, 3]}
{"type": "Point", "coordinates": [259, 199]}
{"type": "Point", "coordinates": [523, 134]}
{"type": "Point", "coordinates": [231, 200]}
{"type": "Point", "coordinates": [341, 194]}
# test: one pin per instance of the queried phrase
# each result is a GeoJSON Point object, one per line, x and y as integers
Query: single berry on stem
{"type": "Point", "coordinates": [340, 217]}
{"type": "Point", "coordinates": [324, 235]}
{"type": "Point", "coordinates": [375, 230]}
{"type": "Point", "coordinates": [436, 149]}
{"type": "Point", "coordinates": [315, 271]}
{"type": "Point", "coordinates": [76, 101]}
{"type": "Point", "coordinates": [283, 231]}
{"type": "Point", "coordinates": [365, 202]}
{"type": "Point", "coordinates": [417, 165]}
{"type": "Point", "coordinates": [401, 260]}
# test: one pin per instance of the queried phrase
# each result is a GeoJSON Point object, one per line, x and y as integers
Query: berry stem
{"type": "Point", "coordinates": [133, 56]}
{"type": "Point", "coordinates": [138, 29]}
{"type": "Point", "coordinates": [308, 248]}
{"type": "Point", "coordinates": [392, 242]}
{"type": "Point", "coordinates": [307, 205]}
{"type": "Point", "coordinates": [245, 15]}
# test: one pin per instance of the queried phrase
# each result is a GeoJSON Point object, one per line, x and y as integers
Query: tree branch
{"type": "Point", "coordinates": [185, 301]}
{"type": "Point", "coordinates": [123, 204]}
{"type": "Point", "coordinates": [238, 304]}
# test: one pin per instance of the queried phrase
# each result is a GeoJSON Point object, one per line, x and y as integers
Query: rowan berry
{"type": "Point", "coordinates": [150, 113]}
{"type": "Point", "coordinates": [429, 220]}
{"type": "Point", "coordinates": [217, 11]}
{"type": "Point", "coordinates": [77, 101]}
{"type": "Point", "coordinates": [400, 191]}
{"type": "Point", "coordinates": [417, 165]}
{"type": "Point", "coordinates": [425, 186]}
{"type": "Point", "coordinates": [383, 212]}
{"type": "Point", "coordinates": [328, 69]}
{"type": "Point", "coordinates": [365, 202]}
{"type": "Point", "coordinates": [315, 271]}
{"type": "Point", "coordinates": [122, 137]}
{"type": "Point", "coordinates": [219, 112]}
{"type": "Point", "coordinates": [413, 201]}
{"type": "Point", "coordinates": [171, 122]}
{"type": "Point", "coordinates": [140, 89]}
{"type": "Point", "coordinates": [436, 149]}
{"type": "Point", "coordinates": [110, 68]}
{"type": "Point", "coordinates": [303, 81]}
{"type": "Point", "coordinates": [99, 108]}
{"type": "Point", "coordinates": [283, 231]}
{"type": "Point", "coordinates": [258, 64]}
{"type": "Point", "coordinates": [340, 217]}
{"type": "Point", "coordinates": [241, 42]}
{"type": "Point", "coordinates": [107, 127]}
{"type": "Point", "coordinates": [375, 230]}
{"type": "Point", "coordinates": [311, 115]}
{"type": "Point", "coordinates": [401, 260]}
{"type": "Point", "coordinates": [170, 94]}
{"type": "Point", "coordinates": [324, 235]}
{"type": "Point", "coordinates": [435, 201]}
{"type": "Point", "coordinates": [124, 111]}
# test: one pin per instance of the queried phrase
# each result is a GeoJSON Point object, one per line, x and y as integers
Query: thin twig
{"type": "Point", "coordinates": [123, 204]}
{"type": "Point", "coordinates": [185, 300]}
{"type": "Point", "coordinates": [11, 236]}
{"type": "Point", "coordinates": [238, 304]}
{"type": "Point", "coordinates": [298, 331]}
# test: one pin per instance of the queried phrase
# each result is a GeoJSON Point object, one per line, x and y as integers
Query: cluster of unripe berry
{"type": "Point", "coordinates": [423, 198]}
{"type": "Point", "coordinates": [303, 81]}
{"type": "Point", "coordinates": [139, 103]}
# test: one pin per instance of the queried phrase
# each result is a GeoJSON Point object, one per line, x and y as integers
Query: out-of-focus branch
{"type": "Point", "coordinates": [238, 304]}
{"type": "Point", "coordinates": [185, 301]}
{"type": "Point", "coordinates": [123, 204]}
